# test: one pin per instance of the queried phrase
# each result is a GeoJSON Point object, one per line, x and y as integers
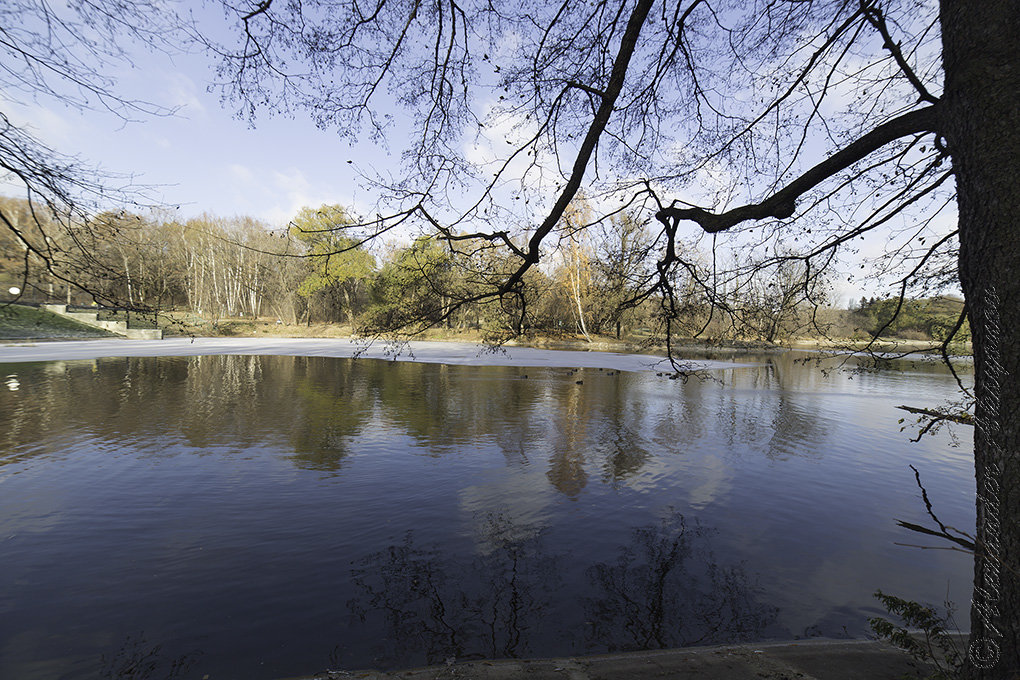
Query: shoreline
{"type": "Point", "coordinates": [423, 351]}
{"type": "Point", "coordinates": [890, 349]}
{"type": "Point", "coordinates": [818, 659]}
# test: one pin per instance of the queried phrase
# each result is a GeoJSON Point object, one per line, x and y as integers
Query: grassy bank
{"type": "Point", "coordinates": [28, 323]}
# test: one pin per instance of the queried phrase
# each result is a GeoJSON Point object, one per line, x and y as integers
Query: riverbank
{"type": "Point", "coordinates": [27, 324]}
{"type": "Point", "coordinates": [802, 660]}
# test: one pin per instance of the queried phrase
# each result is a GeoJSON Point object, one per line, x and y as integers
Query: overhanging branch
{"type": "Point", "coordinates": [783, 203]}
{"type": "Point", "coordinates": [598, 125]}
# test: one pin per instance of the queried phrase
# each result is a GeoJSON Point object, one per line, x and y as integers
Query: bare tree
{"type": "Point", "coordinates": [739, 119]}
{"type": "Point", "coordinates": [820, 125]}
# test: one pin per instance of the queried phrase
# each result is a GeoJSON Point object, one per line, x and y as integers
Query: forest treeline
{"type": "Point", "coordinates": [315, 271]}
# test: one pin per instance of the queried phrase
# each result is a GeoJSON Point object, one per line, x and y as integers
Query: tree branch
{"type": "Point", "coordinates": [595, 130]}
{"type": "Point", "coordinates": [961, 418]}
{"type": "Point", "coordinates": [875, 17]}
{"type": "Point", "coordinates": [783, 203]}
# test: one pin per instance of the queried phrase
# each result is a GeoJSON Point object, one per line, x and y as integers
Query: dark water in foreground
{"type": "Point", "coordinates": [264, 517]}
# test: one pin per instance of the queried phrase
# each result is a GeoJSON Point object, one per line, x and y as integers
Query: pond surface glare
{"type": "Point", "coordinates": [273, 516]}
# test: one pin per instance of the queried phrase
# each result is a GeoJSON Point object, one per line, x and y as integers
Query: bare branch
{"type": "Point", "coordinates": [587, 148]}
{"type": "Point", "coordinates": [783, 203]}
{"type": "Point", "coordinates": [876, 18]}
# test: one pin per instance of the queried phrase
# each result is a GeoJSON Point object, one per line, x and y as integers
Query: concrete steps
{"type": "Point", "coordinates": [118, 327]}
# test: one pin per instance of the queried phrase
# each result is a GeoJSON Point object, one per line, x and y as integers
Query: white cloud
{"type": "Point", "coordinates": [294, 191]}
{"type": "Point", "coordinates": [41, 122]}
{"type": "Point", "coordinates": [490, 149]}
{"type": "Point", "coordinates": [277, 195]}
{"type": "Point", "coordinates": [241, 173]}
{"type": "Point", "coordinates": [182, 93]}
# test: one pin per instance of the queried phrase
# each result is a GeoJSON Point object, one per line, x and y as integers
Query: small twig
{"type": "Point", "coordinates": [961, 418]}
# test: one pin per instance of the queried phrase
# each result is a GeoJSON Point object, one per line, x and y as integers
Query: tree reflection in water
{"type": "Point", "coordinates": [139, 659]}
{"type": "Point", "coordinates": [435, 607]}
{"type": "Point", "coordinates": [664, 590]}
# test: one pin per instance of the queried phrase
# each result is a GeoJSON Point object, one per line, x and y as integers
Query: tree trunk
{"type": "Point", "coordinates": [575, 288]}
{"type": "Point", "coordinates": [348, 304]}
{"type": "Point", "coordinates": [980, 120]}
{"type": "Point", "coordinates": [127, 274]}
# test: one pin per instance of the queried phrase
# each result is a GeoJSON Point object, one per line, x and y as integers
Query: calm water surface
{"type": "Point", "coordinates": [265, 517]}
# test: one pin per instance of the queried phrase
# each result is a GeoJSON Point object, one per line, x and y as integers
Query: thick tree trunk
{"type": "Point", "coordinates": [980, 120]}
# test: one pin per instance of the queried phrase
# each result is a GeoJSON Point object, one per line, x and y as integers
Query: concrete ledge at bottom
{"type": "Point", "coordinates": [804, 660]}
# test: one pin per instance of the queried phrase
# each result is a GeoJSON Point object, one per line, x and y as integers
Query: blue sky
{"type": "Point", "coordinates": [202, 158]}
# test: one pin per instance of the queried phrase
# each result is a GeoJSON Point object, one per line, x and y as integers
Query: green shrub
{"type": "Point", "coordinates": [931, 643]}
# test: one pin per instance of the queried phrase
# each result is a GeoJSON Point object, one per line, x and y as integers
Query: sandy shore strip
{"type": "Point", "coordinates": [458, 353]}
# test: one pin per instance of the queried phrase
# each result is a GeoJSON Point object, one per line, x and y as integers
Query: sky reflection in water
{"type": "Point", "coordinates": [272, 516]}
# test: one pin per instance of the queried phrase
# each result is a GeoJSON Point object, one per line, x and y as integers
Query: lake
{"type": "Point", "coordinates": [273, 516]}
